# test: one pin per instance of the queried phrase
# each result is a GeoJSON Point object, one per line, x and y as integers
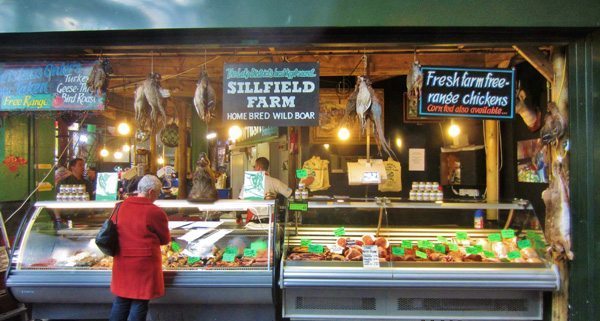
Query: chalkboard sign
{"type": "Point", "coordinates": [467, 92]}
{"type": "Point", "coordinates": [47, 86]}
{"type": "Point", "coordinates": [271, 94]}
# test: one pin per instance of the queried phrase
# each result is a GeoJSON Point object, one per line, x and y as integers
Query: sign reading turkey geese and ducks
{"type": "Point", "coordinates": [271, 94]}
{"type": "Point", "coordinates": [467, 92]}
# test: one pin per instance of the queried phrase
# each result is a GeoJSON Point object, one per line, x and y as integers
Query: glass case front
{"type": "Point", "coordinates": [383, 233]}
{"type": "Point", "coordinates": [60, 236]}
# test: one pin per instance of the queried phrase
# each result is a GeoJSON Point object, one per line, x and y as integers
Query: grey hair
{"type": "Point", "coordinates": [149, 182]}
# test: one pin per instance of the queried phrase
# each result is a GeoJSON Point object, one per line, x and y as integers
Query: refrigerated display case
{"type": "Point", "coordinates": [391, 260]}
{"type": "Point", "coordinates": [213, 266]}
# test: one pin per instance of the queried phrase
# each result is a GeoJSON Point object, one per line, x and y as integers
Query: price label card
{"type": "Point", "coordinates": [440, 248]}
{"type": "Point", "coordinates": [301, 173]}
{"type": "Point", "coordinates": [296, 206]}
{"type": "Point", "coordinates": [175, 246]}
{"type": "Point", "coordinates": [336, 249]}
{"type": "Point", "coordinates": [340, 231]}
{"type": "Point", "coordinates": [453, 247]}
{"type": "Point", "coordinates": [305, 242]}
{"type": "Point", "coordinates": [420, 254]}
{"type": "Point", "coordinates": [315, 248]}
{"type": "Point", "coordinates": [192, 259]}
{"type": "Point", "coordinates": [479, 248]}
{"type": "Point", "coordinates": [462, 236]}
{"type": "Point", "coordinates": [524, 244]}
{"type": "Point", "coordinates": [507, 234]}
{"type": "Point", "coordinates": [472, 250]}
{"type": "Point", "coordinates": [370, 256]}
{"type": "Point", "coordinates": [533, 235]}
{"type": "Point", "coordinates": [495, 237]}
{"type": "Point", "coordinates": [442, 239]}
{"type": "Point", "coordinates": [231, 249]}
{"type": "Point", "coordinates": [407, 244]}
{"type": "Point", "coordinates": [514, 255]}
{"type": "Point", "coordinates": [397, 251]}
{"type": "Point", "coordinates": [539, 244]}
{"type": "Point", "coordinates": [258, 245]}
{"type": "Point", "coordinates": [370, 178]}
{"type": "Point", "coordinates": [249, 252]}
{"type": "Point", "coordinates": [228, 257]}
{"type": "Point", "coordinates": [489, 254]}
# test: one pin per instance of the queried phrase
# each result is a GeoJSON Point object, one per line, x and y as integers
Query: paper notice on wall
{"type": "Point", "coordinates": [416, 159]}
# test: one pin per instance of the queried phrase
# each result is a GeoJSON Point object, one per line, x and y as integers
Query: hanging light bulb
{"type": "Point", "coordinates": [344, 133]}
{"type": "Point", "coordinates": [326, 146]}
{"type": "Point", "coordinates": [453, 130]}
{"type": "Point", "coordinates": [104, 152]}
{"type": "Point", "coordinates": [235, 132]}
{"type": "Point", "coordinates": [160, 160]}
{"type": "Point", "coordinates": [212, 135]}
{"type": "Point", "coordinates": [123, 129]}
{"type": "Point", "coordinates": [118, 155]}
{"type": "Point", "coordinates": [126, 148]}
{"type": "Point", "coordinates": [399, 142]}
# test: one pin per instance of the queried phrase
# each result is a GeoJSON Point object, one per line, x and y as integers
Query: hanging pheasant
{"type": "Point", "coordinates": [205, 98]}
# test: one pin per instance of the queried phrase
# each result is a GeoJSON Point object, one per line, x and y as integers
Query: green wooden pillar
{"type": "Point", "coordinates": [14, 158]}
{"type": "Point", "coordinates": [198, 138]}
{"type": "Point", "coordinates": [43, 156]}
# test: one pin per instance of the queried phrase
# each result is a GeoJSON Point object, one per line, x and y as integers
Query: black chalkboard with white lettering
{"type": "Point", "coordinates": [271, 94]}
{"type": "Point", "coordinates": [467, 92]}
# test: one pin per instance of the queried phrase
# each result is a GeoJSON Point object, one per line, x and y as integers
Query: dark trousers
{"type": "Point", "coordinates": [123, 307]}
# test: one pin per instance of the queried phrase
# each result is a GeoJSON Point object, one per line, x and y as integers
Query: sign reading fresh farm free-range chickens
{"type": "Point", "coordinates": [271, 94]}
{"type": "Point", "coordinates": [467, 92]}
{"type": "Point", "coordinates": [47, 86]}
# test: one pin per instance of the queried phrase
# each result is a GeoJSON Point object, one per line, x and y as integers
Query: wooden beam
{"type": "Point", "coordinates": [492, 169]}
{"type": "Point", "coordinates": [182, 148]}
{"type": "Point", "coordinates": [537, 59]}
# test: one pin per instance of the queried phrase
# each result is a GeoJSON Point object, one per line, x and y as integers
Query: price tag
{"type": "Point", "coordinates": [175, 246]}
{"type": "Point", "coordinates": [524, 244]}
{"type": "Point", "coordinates": [301, 173]}
{"type": "Point", "coordinates": [533, 235]}
{"type": "Point", "coordinates": [192, 259]}
{"type": "Point", "coordinates": [370, 178]}
{"type": "Point", "coordinates": [407, 244]}
{"type": "Point", "coordinates": [440, 248]}
{"type": "Point", "coordinates": [397, 251]}
{"type": "Point", "coordinates": [539, 244]}
{"type": "Point", "coordinates": [258, 245]}
{"type": "Point", "coordinates": [298, 206]}
{"type": "Point", "coordinates": [315, 248]}
{"type": "Point", "coordinates": [453, 247]}
{"type": "Point", "coordinates": [489, 254]}
{"type": "Point", "coordinates": [479, 248]}
{"type": "Point", "coordinates": [472, 250]}
{"type": "Point", "coordinates": [507, 234]}
{"type": "Point", "coordinates": [305, 242]}
{"type": "Point", "coordinates": [442, 239]}
{"type": "Point", "coordinates": [426, 244]}
{"type": "Point", "coordinates": [370, 256]}
{"type": "Point", "coordinates": [514, 255]}
{"type": "Point", "coordinates": [336, 249]}
{"type": "Point", "coordinates": [462, 236]}
{"type": "Point", "coordinates": [420, 254]}
{"type": "Point", "coordinates": [340, 231]}
{"type": "Point", "coordinates": [228, 257]}
{"type": "Point", "coordinates": [496, 237]}
{"type": "Point", "coordinates": [249, 252]}
{"type": "Point", "coordinates": [231, 249]}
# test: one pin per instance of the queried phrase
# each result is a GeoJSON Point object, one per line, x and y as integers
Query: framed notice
{"type": "Point", "coordinates": [332, 107]}
{"type": "Point", "coordinates": [254, 185]}
{"type": "Point", "coordinates": [411, 112]}
{"type": "Point", "coordinates": [106, 186]}
{"type": "Point", "coordinates": [467, 92]}
{"type": "Point", "coordinates": [416, 159]}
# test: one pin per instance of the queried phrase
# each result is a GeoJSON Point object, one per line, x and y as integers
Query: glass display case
{"type": "Point", "coordinates": [210, 261]}
{"type": "Point", "coordinates": [384, 259]}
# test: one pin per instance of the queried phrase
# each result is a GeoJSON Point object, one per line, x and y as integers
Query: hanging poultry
{"type": "Point", "coordinates": [97, 81]}
{"type": "Point", "coordinates": [205, 98]}
{"type": "Point", "coordinates": [148, 104]}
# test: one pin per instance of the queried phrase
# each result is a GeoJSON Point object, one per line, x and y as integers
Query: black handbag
{"type": "Point", "coordinates": [107, 238]}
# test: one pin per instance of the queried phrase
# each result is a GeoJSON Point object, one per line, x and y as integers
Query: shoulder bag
{"type": "Point", "coordinates": [107, 238]}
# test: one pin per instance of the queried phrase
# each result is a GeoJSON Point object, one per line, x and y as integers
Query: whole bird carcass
{"type": "Point", "coordinates": [414, 83]}
{"type": "Point", "coordinates": [203, 189]}
{"type": "Point", "coordinates": [205, 98]}
{"type": "Point", "coordinates": [148, 104]}
{"type": "Point", "coordinates": [366, 105]}
{"type": "Point", "coordinates": [97, 81]}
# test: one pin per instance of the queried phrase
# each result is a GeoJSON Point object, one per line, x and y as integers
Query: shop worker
{"type": "Point", "coordinates": [137, 275]}
{"type": "Point", "coordinates": [273, 186]}
{"type": "Point", "coordinates": [76, 167]}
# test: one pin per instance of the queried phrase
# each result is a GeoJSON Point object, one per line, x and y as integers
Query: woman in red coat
{"type": "Point", "coordinates": [137, 275]}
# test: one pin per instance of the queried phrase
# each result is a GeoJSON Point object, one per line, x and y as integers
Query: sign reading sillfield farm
{"type": "Point", "coordinates": [271, 94]}
{"type": "Point", "coordinates": [467, 92]}
{"type": "Point", "coordinates": [47, 86]}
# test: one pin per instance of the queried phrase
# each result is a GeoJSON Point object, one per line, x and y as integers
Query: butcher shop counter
{"type": "Point", "coordinates": [390, 260]}
{"type": "Point", "coordinates": [213, 266]}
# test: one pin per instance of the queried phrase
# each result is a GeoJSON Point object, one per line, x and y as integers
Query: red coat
{"type": "Point", "coordinates": [137, 267]}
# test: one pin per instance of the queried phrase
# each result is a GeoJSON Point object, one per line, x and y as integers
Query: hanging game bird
{"type": "Point", "coordinates": [203, 189]}
{"type": "Point", "coordinates": [148, 104]}
{"type": "Point", "coordinates": [363, 100]}
{"type": "Point", "coordinates": [205, 98]}
{"type": "Point", "coordinates": [98, 78]}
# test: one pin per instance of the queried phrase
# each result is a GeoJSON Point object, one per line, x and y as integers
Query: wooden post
{"type": "Point", "coordinates": [492, 171]}
{"type": "Point", "coordinates": [182, 116]}
{"type": "Point", "coordinates": [153, 154]}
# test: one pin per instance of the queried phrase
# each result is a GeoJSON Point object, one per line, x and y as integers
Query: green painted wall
{"type": "Point", "coordinates": [76, 15]}
{"type": "Point", "coordinates": [14, 137]}
{"type": "Point", "coordinates": [44, 155]}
